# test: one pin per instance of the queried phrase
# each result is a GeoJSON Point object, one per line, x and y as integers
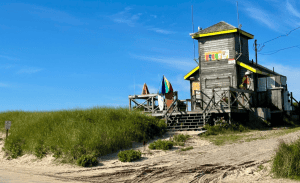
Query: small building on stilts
{"type": "Point", "coordinates": [224, 84]}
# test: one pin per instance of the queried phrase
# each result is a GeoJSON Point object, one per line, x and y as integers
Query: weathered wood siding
{"type": "Point", "coordinates": [244, 45]}
{"type": "Point", "coordinates": [277, 99]}
{"type": "Point", "coordinates": [273, 96]}
{"type": "Point", "coordinates": [215, 43]}
{"type": "Point", "coordinates": [217, 74]}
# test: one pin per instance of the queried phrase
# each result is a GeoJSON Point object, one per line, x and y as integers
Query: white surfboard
{"type": "Point", "coordinates": [161, 102]}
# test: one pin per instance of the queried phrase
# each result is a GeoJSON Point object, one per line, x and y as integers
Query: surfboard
{"type": "Point", "coordinates": [161, 102]}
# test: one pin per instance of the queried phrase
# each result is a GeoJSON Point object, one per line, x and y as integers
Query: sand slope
{"type": "Point", "coordinates": [236, 162]}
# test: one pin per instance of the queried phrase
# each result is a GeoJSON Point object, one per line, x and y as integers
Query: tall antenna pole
{"type": "Point", "coordinates": [255, 42]}
{"type": "Point", "coordinates": [237, 9]}
{"type": "Point", "coordinates": [193, 30]}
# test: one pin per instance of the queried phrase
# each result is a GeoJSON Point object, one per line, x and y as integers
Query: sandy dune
{"type": "Point", "coordinates": [236, 162]}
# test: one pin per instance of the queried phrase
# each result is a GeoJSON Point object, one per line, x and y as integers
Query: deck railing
{"type": "Point", "coordinates": [224, 100]}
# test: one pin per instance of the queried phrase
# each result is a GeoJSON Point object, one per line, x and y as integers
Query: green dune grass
{"type": "Point", "coordinates": [74, 135]}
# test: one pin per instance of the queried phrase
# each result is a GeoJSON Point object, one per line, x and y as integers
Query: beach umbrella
{"type": "Point", "coordinates": [165, 87]}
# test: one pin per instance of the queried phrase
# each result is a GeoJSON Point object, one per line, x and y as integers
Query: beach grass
{"type": "Point", "coordinates": [79, 134]}
{"type": "Point", "coordinates": [286, 161]}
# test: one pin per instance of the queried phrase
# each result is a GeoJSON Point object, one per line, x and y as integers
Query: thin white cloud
{"type": "Point", "coordinates": [162, 31]}
{"type": "Point", "coordinates": [132, 20]}
{"type": "Point", "coordinates": [126, 17]}
{"type": "Point", "coordinates": [291, 9]}
{"type": "Point", "coordinates": [29, 70]}
{"type": "Point", "coordinates": [261, 16]}
{"type": "Point", "coordinates": [180, 64]}
{"type": "Point", "coordinates": [283, 17]}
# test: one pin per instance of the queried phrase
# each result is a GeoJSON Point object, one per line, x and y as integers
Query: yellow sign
{"type": "Point", "coordinates": [216, 55]}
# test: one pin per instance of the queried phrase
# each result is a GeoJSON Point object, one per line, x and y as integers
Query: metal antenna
{"type": "Point", "coordinates": [239, 26]}
{"type": "Point", "coordinates": [193, 32]}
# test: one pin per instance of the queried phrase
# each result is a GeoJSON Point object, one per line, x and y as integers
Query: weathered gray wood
{"type": "Point", "coordinates": [240, 90]}
{"type": "Point", "coordinates": [152, 100]}
{"type": "Point", "coordinates": [129, 104]}
{"type": "Point", "coordinates": [142, 96]}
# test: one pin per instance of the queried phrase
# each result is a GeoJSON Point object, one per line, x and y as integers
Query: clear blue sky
{"type": "Point", "coordinates": [58, 55]}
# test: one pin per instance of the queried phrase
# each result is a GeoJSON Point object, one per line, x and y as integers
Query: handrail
{"type": "Point", "coordinates": [204, 111]}
{"type": "Point", "coordinates": [172, 105]}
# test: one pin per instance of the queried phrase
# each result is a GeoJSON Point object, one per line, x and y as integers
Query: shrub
{"type": "Point", "coordinates": [87, 161]}
{"type": "Point", "coordinates": [224, 128]}
{"type": "Point", "coordinates": [152, 146]}
{"type": "Point", "coordinates": [77, 151]}
{"type": "Point", "coordinates": [40, 150]}
{"type": "Point", "coordinates": [161, 144]}
{"type": "Point", "coordinates": [129, 155]}
{"type": "Point", "coordinates": [56, 151]}
{"type": "Point", "coordinates": [13, 147]}
{"type": "Point", "coordinates": [180, 138]}
{"type": "Point", "coordinates": [178, 143]}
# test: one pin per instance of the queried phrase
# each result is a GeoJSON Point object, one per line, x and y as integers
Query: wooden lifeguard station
{"type": "Point", "coordinates": [218, 87]}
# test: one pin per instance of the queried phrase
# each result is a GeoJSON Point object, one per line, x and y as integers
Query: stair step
{"type": "Point", "coordinates": [176, 125]}
{"type": "Point", "coordinates": [195, 117]}
{"type": "Point", "coordinates": [184, 129]}
{"type": "Point", "coordinates": [183, 121]}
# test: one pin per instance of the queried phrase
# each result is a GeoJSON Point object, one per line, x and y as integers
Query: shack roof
{"type": "Point", "coordinates": [220, 28]}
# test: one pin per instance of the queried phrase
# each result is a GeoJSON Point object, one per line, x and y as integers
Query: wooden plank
{"type": "Point", "coordinates": [240, 90]}
{"type": "Point", "coordinates": [142, 96]}
{"type": "Point", "coordinates": [129, 104]}
{"type": "Point", "coordinates": [222, 42]}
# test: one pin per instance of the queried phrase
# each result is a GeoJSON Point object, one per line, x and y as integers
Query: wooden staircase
{"type": "Point", "coordinates": [186, 122]}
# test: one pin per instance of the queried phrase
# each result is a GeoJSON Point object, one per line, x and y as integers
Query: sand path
{"type": "Point", "coordinates": [237, 162]}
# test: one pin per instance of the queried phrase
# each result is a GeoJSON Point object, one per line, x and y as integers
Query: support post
{"type": "Point", "coordinates": [129, 104]}
{"type": "Point", "coordinates": [255, 78]}
{"type": "Point", "coordinates": [229, 100]}
{"type": "Point", "coordinates": [214, 100]}
{"type": "Point", "coordinates": [187, 106]}
{"type": "Point", "coordinates": [255, 42]}
{"type": "Point", "coordinates": [6, 133]}
{"type": "Point", "coordinates": [152, 104]}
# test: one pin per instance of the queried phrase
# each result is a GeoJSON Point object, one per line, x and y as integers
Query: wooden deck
{"type": "Point", "coordinates": [177, 116]}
